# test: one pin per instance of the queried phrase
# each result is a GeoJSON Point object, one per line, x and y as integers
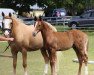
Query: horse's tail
{"type": "Point", "coordinates": [86, 56]}
{"type": "Point", "coordinates": [86, 46]}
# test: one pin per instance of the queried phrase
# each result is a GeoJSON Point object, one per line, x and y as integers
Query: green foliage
{"type": "Point", "coordinates": [73, 6]}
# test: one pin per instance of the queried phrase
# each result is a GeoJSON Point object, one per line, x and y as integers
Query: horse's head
{"type": "Point", "coordinates": [6, 24]}
{"type": "Point", "coordinates": [38, 25]}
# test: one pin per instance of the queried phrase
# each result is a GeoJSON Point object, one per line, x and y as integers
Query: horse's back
{"type": "Point", "coordinates": [78, 34]}
{"type": "Point", "coordinates": [68, 38]}
{"type": "Point", "coordinates": [80, 38]}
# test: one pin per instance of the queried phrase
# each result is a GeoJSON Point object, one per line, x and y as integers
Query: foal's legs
{"type": "Point", "coordinates": [24, 55]}
{"type": "Point", "coordinates": [46, 58]}
{"type": "Point", "coordinates": [82, 57]}
{"type": "Point", "coordinates": [53, 61]}
{"type": "Point", "coordinates": [80, 61]}
{"type": "Point", "coordinates": [86, 57]}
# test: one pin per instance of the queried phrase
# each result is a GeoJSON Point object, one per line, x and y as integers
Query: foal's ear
{"type": "Point", "coordinates": [3, 14]}
{"type": "Point", "coordinates": [35, 18]}
{"type": "Point", "coordinates": [40, 18]}
{"type": "Point", "coordinates": [10, 15]}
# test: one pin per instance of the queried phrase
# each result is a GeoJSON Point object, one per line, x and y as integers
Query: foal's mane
{"type": "Point", "coordinates": [50, 26]}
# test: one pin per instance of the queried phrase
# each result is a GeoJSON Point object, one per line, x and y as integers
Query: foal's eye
{"type": "Point", "coordinates": [11, 23]}
{"type": "Point", "coordinates": [39, 25]}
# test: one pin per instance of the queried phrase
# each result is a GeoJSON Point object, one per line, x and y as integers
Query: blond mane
{"type": "Point", "coordinates": [52, 27]}
{"type": "Point", "coordinates": [19, 21]}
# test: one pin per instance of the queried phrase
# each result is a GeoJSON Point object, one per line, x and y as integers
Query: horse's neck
{"type": "Point", "coordinates": [16, 27]}
{"type": "Point", "coordinates": [46, 26]}
{"type": "Point", "coordinates": [15, 23]}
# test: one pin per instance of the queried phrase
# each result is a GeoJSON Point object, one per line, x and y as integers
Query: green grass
{"type": "Point", "coordinates": [36, 61]}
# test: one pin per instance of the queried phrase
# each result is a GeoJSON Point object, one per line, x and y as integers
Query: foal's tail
{"type": "Point", "coordinates": [86, 56]}
{"type": "Point", "coordinates": [86, 48]}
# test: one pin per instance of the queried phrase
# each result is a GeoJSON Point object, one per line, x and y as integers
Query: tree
{"type": "Point", "coordinates": [72, 6]}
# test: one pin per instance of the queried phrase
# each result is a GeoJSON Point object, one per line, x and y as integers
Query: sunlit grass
{"type": "Point", "coordinates": [35, 61]}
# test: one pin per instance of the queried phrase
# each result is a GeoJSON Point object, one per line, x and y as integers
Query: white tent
{"type": "Point", "coordinates": [6, 11]}
{"type": "Point", "coordinates": [35, 7]}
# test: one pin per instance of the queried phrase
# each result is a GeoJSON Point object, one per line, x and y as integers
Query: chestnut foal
{"type": "Point", "coordinates": [61, 41]}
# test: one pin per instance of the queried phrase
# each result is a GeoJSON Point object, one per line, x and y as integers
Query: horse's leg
{"type": "Point", "coordinates": [86, 57]}
{"type": "Point", "coordinates": [24, 55]}
{"type": "Point", "coordinates": [80, 60]}
{"type": "Point", "coordinates": [86, 62]}
{"type": "Point", "coordinates": [82, 57]}
{"type": "Point", "coordinates": [53, 61]}
{"type": "Point", "coordinates": [14, 55]}
{"type": "Point", "coordinates": [46, 58]}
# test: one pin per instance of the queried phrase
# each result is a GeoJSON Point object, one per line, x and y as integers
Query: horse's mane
{"type": "Point", "coordinates": [19, 21]}
{"type": "Point", "coordinates": [52, 27]}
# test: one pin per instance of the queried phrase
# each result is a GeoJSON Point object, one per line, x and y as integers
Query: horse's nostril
{"type": "Point", "coordinates": [34, 34]}
{"type": "Point", "coordinates": [7, 36]}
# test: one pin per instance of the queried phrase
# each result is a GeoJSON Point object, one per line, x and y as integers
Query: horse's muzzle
{"type": "Point", "coordinates": [6, 34]}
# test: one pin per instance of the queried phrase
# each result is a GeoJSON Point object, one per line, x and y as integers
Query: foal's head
{"type": "Point", "coordinates": [6, 24]}
{"type": "Point", "coordinates": [38, 25]}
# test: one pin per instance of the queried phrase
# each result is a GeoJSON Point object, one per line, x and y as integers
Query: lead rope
{"type": "Point", "coordinates": [7, 48]}
{"type": "Point", "coordinates": [9, 42]}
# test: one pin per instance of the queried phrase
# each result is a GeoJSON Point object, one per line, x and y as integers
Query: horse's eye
{"type": "Point", "coordinates": [2, 23]}
{"type": "Point", "coordinates": [11, 22]}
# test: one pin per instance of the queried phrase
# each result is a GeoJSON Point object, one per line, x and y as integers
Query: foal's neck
{"type": "Point", "coordinates": [46, 27]}
{"type": "Point", "coordinates": [46, 31]}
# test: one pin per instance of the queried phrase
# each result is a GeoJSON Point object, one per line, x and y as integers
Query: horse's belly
{"type": "Point", "coordinates": [34, 47]}
{"type": "Point", "coordinates": [31, 49]}
{"type": "Point", "coordinates": [64, 46]}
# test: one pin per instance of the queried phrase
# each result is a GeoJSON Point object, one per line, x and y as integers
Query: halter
{"type": "Point", "coordinates": [9, 30]}
{"type": "Point", "coordinates": [6, 29]}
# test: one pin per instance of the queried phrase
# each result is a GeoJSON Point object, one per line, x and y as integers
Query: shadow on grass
{"type": "Point", "coordinates": [6, 56]}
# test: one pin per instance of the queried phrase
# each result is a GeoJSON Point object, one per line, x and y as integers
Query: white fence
{"type": "Point", "coordinates": [52, 20]}
{"type": "Point", "coordinates": [58, 20]}
{"type": "Point", "coordinates": [62, 21]}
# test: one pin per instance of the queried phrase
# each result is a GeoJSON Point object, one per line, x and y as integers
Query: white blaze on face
{"type": "Point", "coordinates": [36, 24]}
{"type": "Point", "coordinates": [7, 23]}
{"type": "Point", "coordinates": [35, 31]}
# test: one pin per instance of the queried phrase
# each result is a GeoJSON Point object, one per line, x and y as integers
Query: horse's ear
{"type": "Point", "coordinates": [10, 15]}
{"type": "Point", "coordinates": [3, 14]}
{"type": "Point", "coordinates": [35, 18]}
{"type": "Point", "coordinates": [40, 18]}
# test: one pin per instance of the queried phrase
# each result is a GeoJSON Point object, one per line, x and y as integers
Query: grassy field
{"type": "Point", "coordinates": [36, 62]}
